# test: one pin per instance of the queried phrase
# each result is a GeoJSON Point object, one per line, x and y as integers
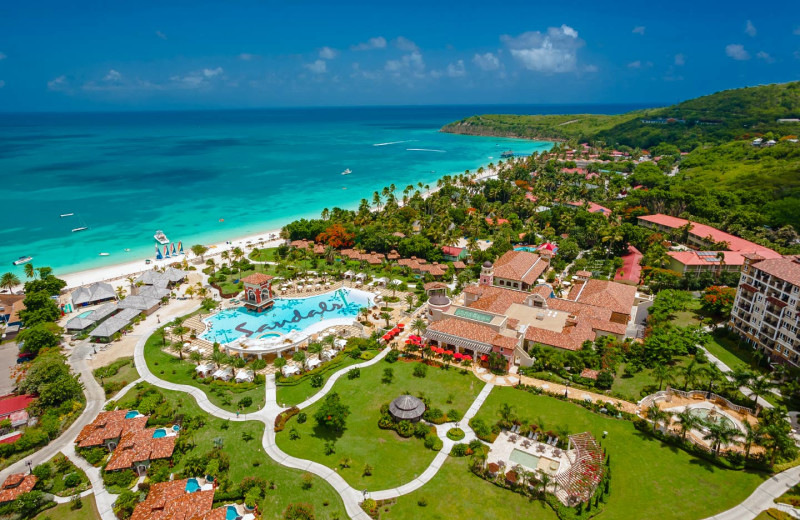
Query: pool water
{"type": "Point", "coordinates": [159, 433]}
{"type": "Point", "coordinates": [176, 428]}
{"type": "Point", "coordinates": [131, 414]}
{"type": "Point", "coordinates": [716, 418]}
{"type": "Point", "coordinates": [288, 314]}
{"type": "Point", "coordinates": [524, 459]}
{"type": "Point", "coordinates": [85, 313]}
{"type": "Point", "coordinates": [529, 249]}
{"type": "Point", "coordinates": [231, 513]}
{"type": "Point", "coordinates": [192, 485]}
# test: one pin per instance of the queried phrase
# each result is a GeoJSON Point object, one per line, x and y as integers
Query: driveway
{"type": "Point", "coordinates": [8, 360]}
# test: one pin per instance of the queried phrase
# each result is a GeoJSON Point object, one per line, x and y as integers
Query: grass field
{"type": "Point", "coordinates": [290, 395]}
{"type": "Point", "coordinates": [395, 460]}
{"type": "Point", "coordinates": [248, 459]}
{"type": "Point", "coordinates": [640, 383]}
{"type": "Point", "coordinates": [64, 511]}
{"type": "Point", "coordinates": [455, 492]}
{"type": "Point", "coordinates": [172, 369]}
{"type": "Point", "coordinates": [126, 373]}
{"type": "Point", "coordinates": [648, 479]}
{"type": "Point", "coordinates": [729, 352]}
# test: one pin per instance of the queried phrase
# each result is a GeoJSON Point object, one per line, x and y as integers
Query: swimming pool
{"type": "Point", "coordinates": [288, 315]}
{"type": "Point", "coordinates": [524, 459]}
{"type": "Point", "coordinates": [529, 249]}
{"type": "Point", "coordinates": [131, 414]}
{"type": "Point", "coordinates": [192, 485]}
{"type": "Point", "coordinates": [85, 313]}
{"type": "Point", "coordinates": [231, 513]}
{"type": "Point", "coordinates": [159, 433]}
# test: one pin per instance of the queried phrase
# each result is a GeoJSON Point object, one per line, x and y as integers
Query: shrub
{"type": "Point", "coordinates": [72, 480]}
{"type": "Point", "coordinates": [245, 401]}
{"type": "Point", "coordinates": [307, 481]}
{"type": "Point", "coordinates": [422, 502]}
{"type": "Point", "coordinates": [258, 364]}
{"type": "Point", "coordinates": [302, 417]}
{"type": "Point", "coordinates": [421, 430]}
{"type": "Point", "coordinates": [94, 455]}
{"type": "Point", "coordinates": [434, 415]}
{"type": "Point", "coordinates": [43, 471]}
{"type": "Point", "coordinates": [405, 429]}
{"type": "Point", "coordinates": [354, 373]}
{"type": "Point", "coordinates": [392, 356]}
{"type": "Point", "coordinates": [420, 370]}
{"type": "Point", "coordinates": [299, 511]}
{"type": "Point", "coordinates": [122, 479]}
{"type": "Point", "coordinates": [316, 381]}
{"type": "Point", "coordinates": [455, 434]}
{"type": "Point", "coordinates": [280, 420]}
{"type": "Point", "coordinates": [126, 503]}
{"type": "Point", "coordinates": [453, 415]}
{"type": "Point", "coordinates": [459, 450]}
{"type": "Point", "coordinates": [433, 442]}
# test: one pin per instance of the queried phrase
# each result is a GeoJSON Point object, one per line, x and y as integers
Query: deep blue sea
{"type": "Point", "coordinates": [126, 175]}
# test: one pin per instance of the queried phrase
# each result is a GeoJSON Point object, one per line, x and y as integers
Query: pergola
{"type": "Point", "coordinates": [580, 481]}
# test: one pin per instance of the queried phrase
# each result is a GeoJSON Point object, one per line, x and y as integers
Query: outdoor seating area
{"type": "Point", "coordinates": [535, 452]}
{"type": "Point", "coordinates": [392, 334]}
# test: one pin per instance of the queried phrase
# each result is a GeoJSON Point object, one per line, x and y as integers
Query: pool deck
{"type": "Point", "coordinates": [507, 442]}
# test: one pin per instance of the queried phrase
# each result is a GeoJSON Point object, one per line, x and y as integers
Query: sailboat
{"type": "Point", "coordinates": [180, 247]}
{"type": "Point", "coordinates": [173, 249]}
{"type": "Point", "coordinates": [82, 227]}
{"type": "Point", "coordinates": [166, 251]}
{"type": "Point", "coordinates": [159, 256]}
{"type": "Point", "coordinates": [66, 215]}
{"type": "Point", "coordinates": [347, 171]}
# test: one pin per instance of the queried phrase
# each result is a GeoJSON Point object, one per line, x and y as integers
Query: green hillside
{"type": "Point", "coordinates": [715, 118]}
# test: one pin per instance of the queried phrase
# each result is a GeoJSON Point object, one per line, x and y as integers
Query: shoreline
{"type": "Point", "coordinates": [121, 271]}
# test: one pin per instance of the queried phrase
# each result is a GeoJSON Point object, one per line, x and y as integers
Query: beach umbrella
{"type": "Point", "coordinates": [484, 357]}
{"type": "Point", "coordinates": [401, 325]}
{"type": "Point", "coordinates": [387, 337]}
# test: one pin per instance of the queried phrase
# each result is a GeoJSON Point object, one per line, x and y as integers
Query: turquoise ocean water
{"type": "Point", "coordinates": [126, 175]}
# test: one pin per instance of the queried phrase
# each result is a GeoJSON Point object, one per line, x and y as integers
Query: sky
{"type": "Point", "coordinates": [144, 55]}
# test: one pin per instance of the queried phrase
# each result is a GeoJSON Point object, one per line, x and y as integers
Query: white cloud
{"type": "Point", "coordinates": [318, 67]}
{"type": "Point", "coordinates": [553, 51]}
{"type": "Point", "coordinates": [486, 61]}
{"type": "Point", "coordinates": [404, 44]}
{"type": "Point", "coordinates": [210, 73]}
{"type": "Point", "coordinates": [639, 29]}
{"type": "Point", "coordinates": [113, 76]}
{"type": "Point", "coordinates": [57, 83]}
{"type": "Point", "coordinates": [326, 53]}
{"type": "Point", "coordinates": [737, 52]}
{"type": "Point", "coordinates": [635, 64]}
{"type": "Point", "coordinates": [379, 42]}
{"type": "Point", "coordinates": [456, 70]}
{"type": "Point", "coordinates": [680, 60]}
{"type": "Point", "coordinates": [2, 83]}
{"type": "Point", "coordinates": [246, 56]}
{"type": "Point", "coordinates": [765, 56]}
{"type": "Point", "coordinates": [409, 64]}
{"type": "Point", "coordinates": [161, 35]}
{"type": "Point", "coordinates": [2, 56]}
{"type": "Point", "coordinates": [750, 29]}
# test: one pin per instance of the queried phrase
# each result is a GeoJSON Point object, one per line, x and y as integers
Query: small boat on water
{"type": "Point", "coordinates": [82, 228]}
{"type": "Point", "coordinates": [348, 171]}
{"type": "Point", "coordinates": [127, 250]}
{"type": "Point", "coordinates": [22, 260]}
{"type": "Point", "coordinates": [103, 254]}
{"type": "Point", "coordinates": [161, 238]}
{"type": "Point", "coordinates": [66, 215]}
{"type": "Point", "coordinates": [507, 154]}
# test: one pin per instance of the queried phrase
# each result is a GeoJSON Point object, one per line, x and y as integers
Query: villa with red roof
{"type": "Point", "coordinates": [258, 295]}
{"type": "Point", "coordinates": [591, 207]}
{"type": "Point", "coordinates": [507, 312]}
{"type": "Point", "coordinates": [700, 237]}
{"type": "Point", "coordinates": [14, 408]}
{"type": "Point", "coordinates": [631, 270]}
{"type": "Point", "coordinates": [15, 485]}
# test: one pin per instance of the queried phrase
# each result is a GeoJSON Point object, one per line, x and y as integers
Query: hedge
{"type": "Point", "coordinates": [280, 420]}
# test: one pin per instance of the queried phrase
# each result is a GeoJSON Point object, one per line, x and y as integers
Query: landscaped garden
{"type": "Point", "coordinates": [237, 446]}
{"type": "Point", "coordinates": [364, 454]}
{"type": "Point", "coordinates": [244, 397]}
{"type": "Point", "coordinates": [61, 477]}
{"type": "Point", "coordinates": [87, 511]}
{"type": "Point", "coordinates": [649, 479]}
{"type": "Point", "coordinates": [115, 376]}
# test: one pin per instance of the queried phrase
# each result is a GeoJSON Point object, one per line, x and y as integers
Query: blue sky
{"type": "Point", "coordinates": [173, 55]}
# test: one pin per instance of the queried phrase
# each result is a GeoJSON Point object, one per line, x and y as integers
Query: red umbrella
{"type": "Point", "coordinates": [484, 357]}
{"type": "Point", "coordinates": [401, 325]}
{"type": "Point", "coordinates": [458, 355]}
{"type": "Point", "coordinates": [450, 352]}
{"type": "Point", "coordinates": [387, 337]}
{"type": "Point", "coordinates": [396, 331]}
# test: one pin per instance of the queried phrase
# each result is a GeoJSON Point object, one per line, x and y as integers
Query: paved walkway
{"type": "Point", "coordinates": [725, 369]}
{"type": "Point", "coordinates": [763, 497]}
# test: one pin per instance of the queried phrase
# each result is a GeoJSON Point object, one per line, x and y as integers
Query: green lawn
{"type": "Point", "coordinates": [170, 368]}
{"type": "Point", "coordinates": [116, 375]}
{"type": "Point", "coordinates": [290, 395]}
{"type": "Point", "coordinates": [248, 459]}
{"type": "Point", "coordinates": [65, 512]}
{"type": "Point", "coordinates": [56, 485]}
{"type": "Point", "coordinates": [395, 460]}
{"type": "Point", "coordinates": [455, 492]}
{"type": "Point", "coordinates": [641, 383]}
{"type": "Point", "coordinates": [264, 255]}
{"type": "Point", "coordinates": [648, 479]}
{"type": "Point", "coordinates": [728, 352]}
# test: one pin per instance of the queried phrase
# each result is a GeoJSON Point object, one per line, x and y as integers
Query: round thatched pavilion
{"type": "Point", "coordinates": [407, 408]}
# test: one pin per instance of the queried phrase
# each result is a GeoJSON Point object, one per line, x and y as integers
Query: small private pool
{"type": "Point", "coordinates": [176, 428]}
{"type": "Point", "coordinates": [231, 513]}
{"type": "Point", "coordinates": [527, 249]}
{"type": "Point", "coordinates": [524, 459]}
{"type": "Point", "coordinates": [160, 434]}
{"type": "Point", "coordinates": [192, 485]}
{"type": "Point", "coordinates": [132, 414]}
{"type": "Point", "coordinates": [85, 314]}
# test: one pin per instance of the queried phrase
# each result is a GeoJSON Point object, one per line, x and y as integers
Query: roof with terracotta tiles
{"type": "Point", "coordinates": [219, 513]}
{"type": "Point", "coordinates": [257, 278]}
{"type": "Point", "coordinates": [784, 268]}
{"type": "Point", "coordinates": [601, 293]}
{"type": "Point", "coordinates": [588, 373]}
{"type": "Point", "coordinates": [138, 447]}
{"type": "Point", "coordinates": [170, 501]}
{"type": "Point", "coordinates": [459, 265]}
{"type": "Point", "coordinates": [496, 299]}
{"type": "Point", "coordinates": [434, 285]}
{"type": "Point", "coordinates": [15, 485]}
{"type": "Point", "coordinates": [107, 426]}
{"type": "Point", "coordinates": [520, 266]}
{"type": "Point", "coordinates": [464, 329]}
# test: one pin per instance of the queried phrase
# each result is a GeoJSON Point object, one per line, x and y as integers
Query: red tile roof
{"type": "Point", "coordinates": [14, 403]}
{"type": "Point", "coordinates": [257, 279]}
{"type": "Point", "coordinates": [784, 268]}
{"type": "Point", "coordinates": [500, 221]}
{"type": "Point", "coordinates": [703, 232]}
{"type": "Point", "coordinates": [464, 329]}
{"type": "Point", "coordinates": [452, 251]}
{"type": "Point", "coordinates": [631, 270]}
{"type": "Point", "coordinates": [614, 296]}
{"type": "Point", "coordinates": [520, 266]}
{"type": "Point", "coordinates": [138, 447]}
{"type": "Point", "coordinates": [170, 501]}
{"type": "Point", "coordinates": [588, 373]}
{"type": "Point", "coordinates": [692, 258]}
{"type": "Point", "coordinates": [15, 485]}
{"type": "Point", "coordinates": [495, 299]}
{"type": "Point", "coordinates": [107, 426]}
{"type": "Point", "coordinates": [592, 208]}
{"type": "Point", "coordinates": [434, 285]}
{"type": "Point", "coordinates": [459, 265]}
{"type": "Point", "coordinates": [12, 438]}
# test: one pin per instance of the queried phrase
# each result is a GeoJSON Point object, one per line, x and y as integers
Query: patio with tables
{"type": "Point", "coordinates": [535, 452]}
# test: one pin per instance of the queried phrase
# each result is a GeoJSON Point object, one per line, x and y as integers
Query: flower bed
{"type": "Point", "coordinates": [455, 434]}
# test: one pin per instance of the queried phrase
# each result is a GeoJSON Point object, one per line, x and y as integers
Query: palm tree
{"type": "Point", "coordinates": [690, 373]}
{"type": "Point", "coordinates": [329, 255]}
{"type": "Point", "coordinates": [410, 301]}
{"type": "Point", "coordinates": [759, 386]}
{"type": "Point", "coordinates": [720, 434]}
{"type": "Point", "coordinates": [688, 422]}
{"type": "Point", "coordinates": [210, 263]}
{"type": "Point", "coordinates": [663, 374]}
{"type": "Point", "coordinates": [386, 316]}
{"type": "Point", "coordinates": [752, 435]}
{"type": "Point", "coordinates": [657, 415]}
{"type": "Point", "coordinates": [177, 346]}
{"type": "Point", "coordinates": [9, 281]}
{"type": "Point", "coordinates": [225, 256]}
{"type": "Point", "coordinates": [506, 412]}
{"type": "Point", "coordinates": [120, 292]}
{"type": "Point", "coordinates": [419, 326]}
{"type": "Point", "coordinates": [218, 357]}
{"type": "Point", "coordinates": [189, 292]}
{"type": "Point", "coordinates": [30, 272]}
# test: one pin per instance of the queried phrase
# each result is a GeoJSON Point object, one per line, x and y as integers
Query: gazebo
{"type": "Point", "coordinates": [407, 408]}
